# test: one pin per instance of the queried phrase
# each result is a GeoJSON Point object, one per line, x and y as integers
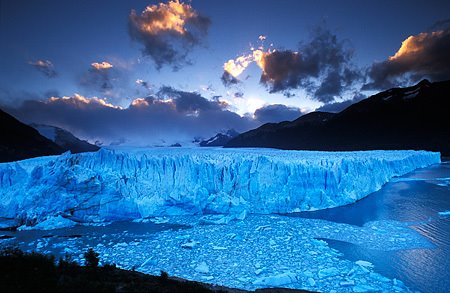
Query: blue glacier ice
{"type": "Point", "coordinates": [116, 184]}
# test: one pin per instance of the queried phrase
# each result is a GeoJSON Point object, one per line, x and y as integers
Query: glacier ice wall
{"type": "Point", "coordinates": [114, 184]}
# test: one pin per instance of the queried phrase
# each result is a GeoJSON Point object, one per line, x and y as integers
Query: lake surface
{"type": "Point", "coordinates": [416, 199]}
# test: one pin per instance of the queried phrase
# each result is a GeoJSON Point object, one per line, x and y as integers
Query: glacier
{"type": "Point", "coordinates": [133, 183]}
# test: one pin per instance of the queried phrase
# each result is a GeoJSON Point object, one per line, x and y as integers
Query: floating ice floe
{"type": "Point", "coordinates": [444, 214]}
{"type": "Point", "coordinates": [261, 251]}
{"type": "Point", "coordinates": [50, 223]}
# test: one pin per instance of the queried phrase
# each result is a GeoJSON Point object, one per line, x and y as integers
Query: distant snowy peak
{"type": "Point", "coordinates": [64, 138]}
{"type": "Point", "coordinates": [220, 139]}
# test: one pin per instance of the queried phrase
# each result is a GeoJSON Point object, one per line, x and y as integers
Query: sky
{"type": "Point", "coordinates": [150, 72]}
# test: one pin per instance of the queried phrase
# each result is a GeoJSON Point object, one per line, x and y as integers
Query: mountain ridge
{"type": "Point", "coordinates": [19, 141]}
{"type": "Point", "coordinates": [413, 117]}
{"type": "Point", "coordinates": [65, 139]}
{"type": "Point", "coordinates": [220, 139]}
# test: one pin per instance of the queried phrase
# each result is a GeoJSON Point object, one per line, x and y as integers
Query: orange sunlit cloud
{"type": "Point", "coordinates": [259, 57]}
{"type": "Point", "coordinates": [415, 44]}
{"type": "Point", "coordinates": [424, 55]}
{"type": "Point", "coordinates": [80, 100]}
{"type": "Point", "coordinates": [42, 63]}
{"type": "Point", "coordinates": [236, 66]}
{"type": "Point", "coordinates": [172, 17]}
{"type": "Point", "coordinates": [168, 31]}
{"type": "Point", "coordinates": [101, 66]}
{"type": "Point", "coordinates": [140, 102]}
{"type": "Point", "coordinates": [44, 66]}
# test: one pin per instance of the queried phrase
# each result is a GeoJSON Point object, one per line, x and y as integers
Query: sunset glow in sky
{"type": "Point", "coordinates": [175, 70]}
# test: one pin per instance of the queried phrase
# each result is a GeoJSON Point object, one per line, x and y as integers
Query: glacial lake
{"type": "Point", "coordinates": [411, 202]}
{"type": "Point", "coordinates": [416, 199]}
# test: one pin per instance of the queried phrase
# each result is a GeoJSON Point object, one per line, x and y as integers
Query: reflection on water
{"type": "Point", "coordinates": [417, 199]}
{"type": "Point", "coordinates": [421, 269]}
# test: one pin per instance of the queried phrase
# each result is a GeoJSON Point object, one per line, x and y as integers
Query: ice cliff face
{"type": "Point", "coordinates": [134, 183]}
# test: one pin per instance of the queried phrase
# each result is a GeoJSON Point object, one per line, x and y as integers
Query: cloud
{"type": "Point", "coordinates": [425, 55]}
{"type": "Point", "coordinates": [144, 84]}
{"type": "Point", "coordinates": [228, 79]}
{"type": "Point", "coordinates": [322, 66]}
{"type": "Point", "coordinates": [277, 113]}
{"type": "Point", "coordinates": [170, 116]}
{"type": "Point", "coordinates": [168, 32]}
{"type": "Point", "coordinates": [442, 24]}
{"type": "Point", "coordinates": [102, 66]}
{"type": "Point", "coordinates": [190, 102]}
{"type": "Point", "coordinates": [339, 106]}
{"type": "Point", "coordinates": [281, 70]}
{"type": "Point", "coordinates": [99, 77]}
{"type": "Point", "coordinates": [238, 94]}
{"type": "Point", "coordinates": [234, 67]}
{"type": "Point", "coordinates": [330, 87]}
{"type": "Point", "coordinates": [45, 67]}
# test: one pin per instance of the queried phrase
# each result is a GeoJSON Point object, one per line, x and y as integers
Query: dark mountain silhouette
{"type": "Point", "coordinates": [65, 139]}
{"type": "Point", "coordinates": [19, 141]}
{"type": "Point", "coordinates": [416, 117]}
{"type": "Point", "coordinates": [219, 139]}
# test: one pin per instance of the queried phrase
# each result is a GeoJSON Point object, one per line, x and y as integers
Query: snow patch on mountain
{"type": "Point", "coordinates": [45, 130]}
{"type": "Point", "coordinates": [219, 139]}
{"type": "Point", "coordinates": [64, 139]}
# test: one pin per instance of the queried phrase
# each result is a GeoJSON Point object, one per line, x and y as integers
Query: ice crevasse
{"type": "Point", "coordinates": [115, 184]}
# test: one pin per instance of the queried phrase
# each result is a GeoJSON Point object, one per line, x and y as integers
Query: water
{"type": "Point", "coordinates": [78, 239]}
{"type": "Point", "coordinates": [416, 199]}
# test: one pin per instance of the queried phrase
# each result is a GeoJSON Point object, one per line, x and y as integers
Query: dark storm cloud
{"type": "Point", "coordinates": [322, 66]}
{"type": "Point", "coordinates": [440, 25]}
{"type": "Point", "coordinates": [238, 94]}
{"type": "Point", "coordinates": [334, 84]}
{"type": "Point", "coordinates": [189, 102]}
{"type": "Point", "coordinates": [425, 55]}
{"type": "Point", "coordinates": [282, 70]}
{"type": "Point", "coordinates": [228, 79]}
{"type": "Point", "coordinates": [339, 106]}
{"type": "Point", "coordinates": [330, 87]}
{"type": "Point", "coordinates": [277, 113]}
{"type": "Point", "coordinates": [45, 67]}
{"type": "Point", "coordinates": [170, 116]}
{"type": "Point", "coordinates": [168, 32]}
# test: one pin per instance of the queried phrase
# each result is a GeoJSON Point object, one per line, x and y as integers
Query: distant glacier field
{"type": "Point", "coordinates": [242, 218]}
